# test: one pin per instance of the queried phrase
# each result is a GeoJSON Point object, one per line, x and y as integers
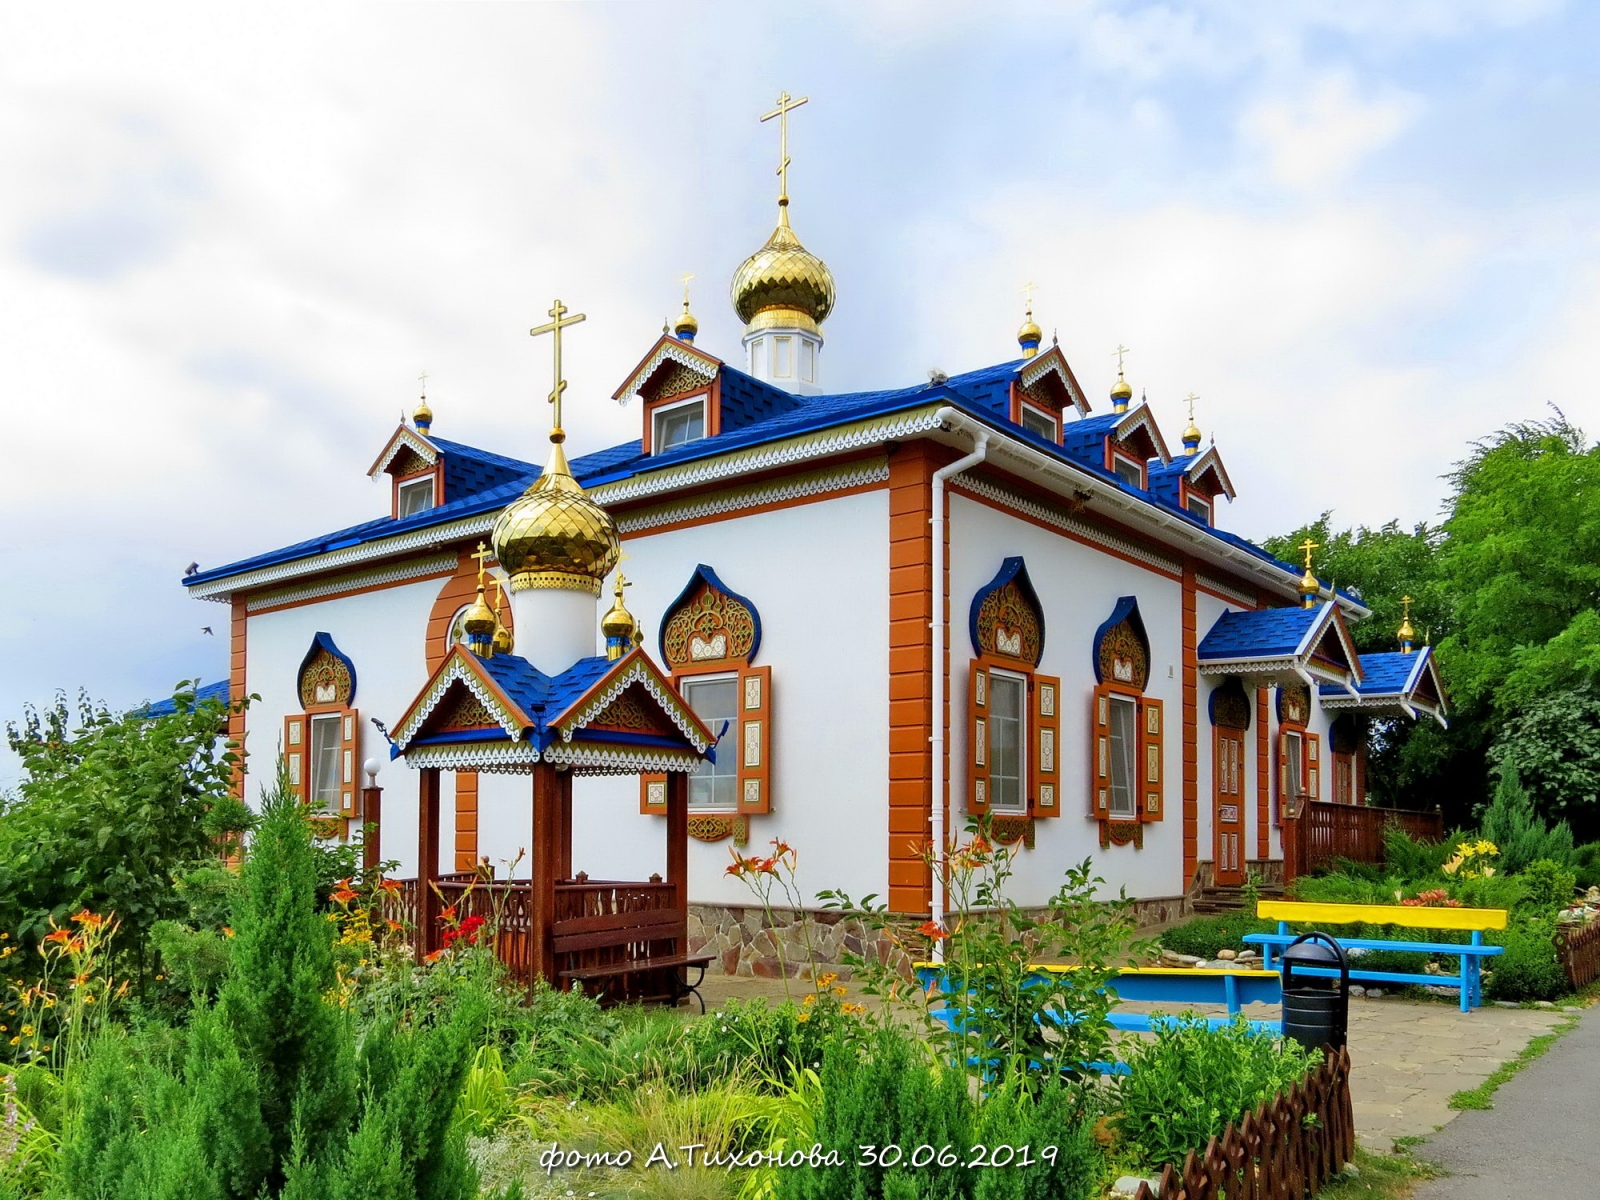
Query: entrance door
{"type": "Point", "coordinates": [1228, 812]}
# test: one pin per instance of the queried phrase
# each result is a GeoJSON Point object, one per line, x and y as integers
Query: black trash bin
{"type": "Point", "coordinates": [1316, 1008]}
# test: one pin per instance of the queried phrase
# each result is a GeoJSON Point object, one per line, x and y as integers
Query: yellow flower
{"type": "Point", "coordinates": [1488, 847]}
{"type": "Point", "coordinates": [15, 1040]}
{"type": "Point", "coordinates": [812, 999]}
{"type": "Point", "coordinates": [1454, 865]}
{"type": "Point", "coordinates": [27, 1031]}
{"type": "Point", "coordinates": [841, 991]}
{"type": "Point", "coordinates": [802, 1018]}
{"type": "Point", "coordinates": [827, 979]}
{"type": "Point", "coordinates": [1488, 872]}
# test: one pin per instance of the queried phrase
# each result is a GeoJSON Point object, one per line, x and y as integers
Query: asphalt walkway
{"type": "Point", "coordinates": [1539, 1139]}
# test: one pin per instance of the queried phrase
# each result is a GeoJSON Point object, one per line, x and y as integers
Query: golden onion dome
{"type": "Point", "coordinates": [422, 417]}
{"type": "Point", "coordinates": [1309, 587]}
{"type": "Point", "coordinates": [503, 640]}
{"type": "Point", "coordinates": [1029, 336]}
{"type": "Point", "coordinates": [784, 279]}
{"type": "Point", "coordinates": [619, 621]}
{"type": "Point", "coordinates": [1192, 436]}
{"type": "Point", "coordinates": [685, 327]}
{"type": "Point", "coordinates": [1121, 391]}
{"type": "Point", "coordinates": [554, 536]}
{"type": "Point", "coordinates": [478, 621]}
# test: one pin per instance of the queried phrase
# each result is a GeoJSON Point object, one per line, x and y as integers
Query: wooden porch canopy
{"type": "Point", "coordinates": [501, 715]}
{"type": "Point", "coordinates": [1394, 684]}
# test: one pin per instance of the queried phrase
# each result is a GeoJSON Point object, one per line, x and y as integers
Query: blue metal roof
{"type": "Point", "coordinates": [1265, 633]}
{"type": "Point", "coordinates": [754, 413]}
{"type": "Point", "coordinates": [207, 691]}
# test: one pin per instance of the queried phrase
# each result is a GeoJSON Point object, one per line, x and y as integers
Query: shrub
{"type": "Point", "coordinates": [1189, 1082]}
{"type": "Point", "coordinates": [1586, 860]}
{"type": "Point", "coordinates": [1549, 885]}
{"type": "Point", "coordinates": [1529, 969]}
{"type": "Point", "coordinates": [1511, 824]}
{"type": "Point", "coordinates": [765, 1044]}
{"type": "Point", "coordinates": [1204, 936]}
{"type": "Point", "coordinates": [1015, 1115]}
{"type": "Point", "coordinates": [1407, 858]}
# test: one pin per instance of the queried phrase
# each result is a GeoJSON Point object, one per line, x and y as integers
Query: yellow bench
{"type": "Point", "coordinates": [1473, 920]}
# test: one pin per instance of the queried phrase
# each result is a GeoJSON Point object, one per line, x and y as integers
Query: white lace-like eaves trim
{"type": "Point", "coordinates": [677, 354]}
{"type": "Point", "coordinates": [1052, 516]}
{"type": "Point", "coordinates": [637, 673]}
{"type": "Point", "coordinates": [874, 471]}
{"type": "Point", "coordinates": [456, 670]}
{"type": "Point", "coordinates": [406, 438]}
{"type": "Point", "coordinates": [397, 573]}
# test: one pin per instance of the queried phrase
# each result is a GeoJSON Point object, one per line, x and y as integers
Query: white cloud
{"type": "Point", "coordinates": [1320, 133]}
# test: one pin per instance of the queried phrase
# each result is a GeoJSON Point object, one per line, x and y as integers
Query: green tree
{"type": "Point", "coordinates": [108, 808]}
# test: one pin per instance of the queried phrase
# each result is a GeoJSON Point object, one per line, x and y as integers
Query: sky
{"type": "Point", "coordinates": [1363, 232]}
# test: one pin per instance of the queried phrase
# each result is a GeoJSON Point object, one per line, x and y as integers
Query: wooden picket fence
{"type": "Point", "coordinates": [1578, 948]}
{"type": "Point", "coordinates": [1285, 1150]}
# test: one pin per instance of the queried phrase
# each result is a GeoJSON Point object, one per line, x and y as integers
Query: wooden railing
{"type": "Point", "coordinates": [1323, 832]}
{"type": "Point", "coordinates": [1578, 948]}
{"type": "Point", "coordinates": [597, 922]}
{"type": "Point", "coordinates": [1285, 1150]}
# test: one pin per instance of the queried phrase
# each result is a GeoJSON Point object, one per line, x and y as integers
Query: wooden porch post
{"type": "Point", "coordinates": [427, 939]}
{"type": "Point", "coordinates": [371, 827]}
{"type": "Point", "coordinates": [678, 838]}
{"type": "Point", "coordinates": [545, 865]}
{"type": "Point", "coordinates": [564, 827]}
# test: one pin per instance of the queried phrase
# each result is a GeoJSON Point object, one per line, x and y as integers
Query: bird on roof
{"type": "Point", "coordinates": [192, 569]}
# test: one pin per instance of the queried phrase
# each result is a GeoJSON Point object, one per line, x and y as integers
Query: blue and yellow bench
{"type": "Point", "coordinates": [1472, 920]}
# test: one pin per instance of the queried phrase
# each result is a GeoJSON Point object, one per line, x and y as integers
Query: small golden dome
{"type": "Point", "coordinates": [1029, 335]}
{"type": "Point", "coordinates": [1309, 587]}
{"type": "Point", "coordinates": [422, 417]}
{"type": "Point", "coordinates": [478, 624]}
{"type": "Point", "coordinates": [1121, 391]}
{"type": "Point", "coordinates": [502, 635]}
{"type": "Point", "coordinates": [783, 275]}
{"type": "Point", "coordinates": [1191, 437]}
{"type": "Point", "coordinates": [685, 327]}
{"type": "Point", "coordinates": [554, 536]}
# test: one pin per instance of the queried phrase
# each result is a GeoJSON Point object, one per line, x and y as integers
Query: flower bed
{"type": "Point", "coordinates": [1288, 1146]}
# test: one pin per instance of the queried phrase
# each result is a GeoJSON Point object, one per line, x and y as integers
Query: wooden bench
{"type": "Point", "coordinates": [632, 943]}
{"type": "Point", "coordinates": [1468, 979]}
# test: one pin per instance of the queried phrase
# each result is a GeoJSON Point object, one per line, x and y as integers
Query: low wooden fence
{"type": "Point", "coordinates": [1285, 1150]}
{"type": "Point", "coordinates": [1323, 832]}
{"type": "Point", "coordinates": [1578, 948]}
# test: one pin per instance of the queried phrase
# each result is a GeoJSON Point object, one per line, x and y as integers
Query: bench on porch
{"type": "Point", "coordinates": [1468, 978]}
{"type": "Point", "coordinates": [630, 933]}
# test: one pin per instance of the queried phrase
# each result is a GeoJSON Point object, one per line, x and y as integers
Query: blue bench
{"type": "Point", "coordinates": [1468, 978]}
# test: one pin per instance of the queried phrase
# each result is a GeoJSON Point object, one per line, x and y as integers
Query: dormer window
{"type": "Point", "coordinates": [1127, 470]}
{"type": "Point", "coordinates": [1200, 507]}
{"type": "Point", "coordinates": [413, 496]}
{"type": "Point", "coordinates": [1037, 420]}
{"type": "Point", "coordinates": [678, 425]}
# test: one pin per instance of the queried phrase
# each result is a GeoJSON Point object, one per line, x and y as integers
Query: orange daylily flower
{"type": "Point", "coordinates": [932, 931]}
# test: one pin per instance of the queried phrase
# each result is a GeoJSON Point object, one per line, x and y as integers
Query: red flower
{"type": "Point", "coordinates": [932, 931]}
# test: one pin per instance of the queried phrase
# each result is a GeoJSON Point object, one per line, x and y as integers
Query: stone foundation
{"type": "Point", "coordinates": [744, 945]}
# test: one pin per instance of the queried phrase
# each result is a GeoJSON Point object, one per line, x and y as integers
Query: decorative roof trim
{"type": "Point", "coordinates": [1209, 460]}
{"type": "Point", "coordinates": [796, 487]}
{"type": "Point", "coordinates": [635, 668]}
{"type": "Point", "coordinates": [1223, 588]}
{"type": "Point", "coordinates": [324, 641]}
{"type": "Point", "coordinates": [703, 574]}
{"type": "Point", "coordinates": [404, 438]}
{"type": "Point", "coordinates": [817, 444]}
{"type": "Point", "coordinates": [458, 667]}
{"type": "Point", "coordinates": [1050, 515]}
{"type": "Point", "coordinates": [1126, 609]}
{"type": "Point", "coordinates": [427, 537]}
{"type": "Point", "coordinates": [1319, 628]}
{"type": "Point", "coordinates": [1282, 667]}
{"type": "Point", "coordinates": [402, 572]}
{"type": "Point", "coordinates": [668, 347]}
{"type": "Point", "coordinates": [1143, 418]}
{"type": "Point", "coordinates": [495, 758]}
{"type": "Point", "coordinates": [1053, 361]}
{"type": "Point", "coordinates": [586, 759]}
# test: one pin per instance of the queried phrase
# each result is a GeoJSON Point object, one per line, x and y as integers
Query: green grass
{"type": "Point", "coordinates": [1382, 1177]}
{"type": "Point", "coordinates": [1482, 1096]}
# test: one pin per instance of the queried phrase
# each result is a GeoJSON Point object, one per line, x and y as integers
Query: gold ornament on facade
{"type": "Point", "coordinates": [709, 627]}
{"type": "Point", "coordinates": [553, 535]}
{"type": "Point", "coordinates": [1009, 626]}
{"type": "Point", "coordinates": [325, 680]}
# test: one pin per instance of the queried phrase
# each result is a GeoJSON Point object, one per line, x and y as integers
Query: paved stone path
{"type": "Point", "coordinates": [1408, 1057]}
{"type": "Point", "coordinates": [1538, 1139]}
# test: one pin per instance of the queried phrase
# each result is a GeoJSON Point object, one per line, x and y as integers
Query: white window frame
{"type": "Point", "coordinates": [1294, 766]}
{"type": "Point", "coordinates": [783, 356]}
{"type": "Point", "coordinates": [412, 486]}
{"type": "Point", "coordinates": [315, 782]}
{"type": "Point", "coordinates": [1198, 506]}
{"type": "Point", "coordinates": [1129, 760]}
{"type": "Point", "coordinates": [994, 721]}
{"type": "Point", "coordinates": [1120, 461]}
{"type": "Point", "coordinates": [1044, 415]}
{"type": "Point", "coordinates": [729, 748]}
{"type": "Point", "coordinates": [658, 417]}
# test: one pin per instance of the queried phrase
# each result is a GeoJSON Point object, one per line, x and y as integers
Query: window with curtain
{"type": "Point", "coordinates": [325, 775]}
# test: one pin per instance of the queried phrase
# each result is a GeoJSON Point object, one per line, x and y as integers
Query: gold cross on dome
{"type": "Point", "coordinates": [1406, 600]}
{"type": "Point", "coordinates": [483, 554]}
{"type": "Point", "coordinates": [685, 281]}
{"type": "Point", "coordinates": [786, 105]}
{"type": "Point", "coordinates": [1119, 352]}
{"type": "Point", "coordinates": [561, 321]}
{"type": "Point", "coordinates": [423, 379]}
{"type": "Point", "coordinates": [1308, 546]}
{"type": "Point", "coordinates": [1190, 399]}
{"type": "Point", "coordinates": [1028, 290]}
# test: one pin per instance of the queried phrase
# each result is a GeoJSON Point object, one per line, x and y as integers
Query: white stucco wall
{"type": "Point", "coordinates": [384, 634]}
{"type": "Point", "coordinates": [818, 575]}
{"type": "Point", "coordinates": [1078, 587]}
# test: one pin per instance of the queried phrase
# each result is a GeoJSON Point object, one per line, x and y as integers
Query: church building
{"type": "Point", "coordinates": [849, 622]}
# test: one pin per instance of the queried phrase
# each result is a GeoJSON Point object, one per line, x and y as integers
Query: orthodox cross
{"type": "Point", "coordinates": [1119, 352]}
{"type": "Point", "coordinates": [423, 379]}
{"type": "Point", "coordinates": [561, 321]}
{"type": "Point", "coordinates": [1191, 398]}
{"type": "Point", "coordinates": [1308, 546]}
{"type": "Point", "coordinates": [786, 105]}
{"type": "Point", "coordinates": [1027, 295]}
{"type": "Point", "coordinates": [483, 554]}
{"type": "Point", "coordinates": [1406, 616]}
{"type": "Point", "coordinates": [685, 281]}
